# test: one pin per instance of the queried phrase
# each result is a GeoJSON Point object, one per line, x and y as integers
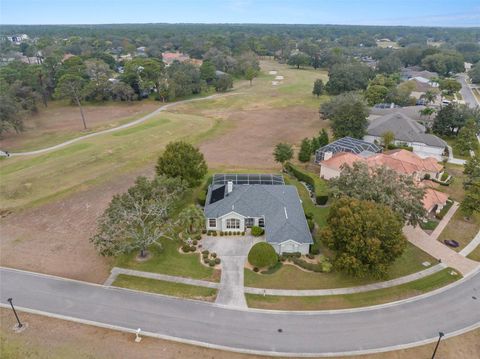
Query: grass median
{"type": "Point", "coordinates": [370, 298]}
{"type": "Point", "coordinates": [167, 288]}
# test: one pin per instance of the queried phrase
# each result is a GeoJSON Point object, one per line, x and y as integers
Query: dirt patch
{"type": "Point", "coordinates": [60, 118]}
{"type": "Point", "coordinates": [54, 238]}
{"type": "Point", "coordinates": [54, 338]}
{"type": "Point", "coordinates": [254, 134]}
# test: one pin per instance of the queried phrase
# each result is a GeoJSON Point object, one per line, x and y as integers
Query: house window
{"type": "Point", "coordinates": [212, 222]}
{"type": "Point", "coordinates": [233, 223]}
{"type": "Point", "coordinates": [249, 222]}
{"type": "Point", "coordinates": [261, 222]}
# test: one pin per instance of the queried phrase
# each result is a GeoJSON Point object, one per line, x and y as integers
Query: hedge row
{"type": "Point", "coordinates": [321, 194]}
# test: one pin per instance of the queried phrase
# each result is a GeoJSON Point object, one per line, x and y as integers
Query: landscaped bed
{"type": "Point", "coordinates": [291, 277]}
{"type": "Point", "coordinates": [374, 297]}
{"type": "Point", "coordinates": [475, 254]}
{"type": "Point", "coordinates": [170, 261]}
{"type": "Point", "coordinates": [167, 288]}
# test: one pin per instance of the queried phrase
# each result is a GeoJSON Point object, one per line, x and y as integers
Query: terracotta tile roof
{"type": "Point", "coordinates": [340, 159]}
{"type": "Point", "coordinates": [433, 198]}
{"type": "Point", "coordinates": [429, 164]}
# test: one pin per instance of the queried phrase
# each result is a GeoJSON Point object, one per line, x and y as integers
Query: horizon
{"type": "Point", "coordinates": [442, 13]}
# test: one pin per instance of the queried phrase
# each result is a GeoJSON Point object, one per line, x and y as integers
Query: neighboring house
{"type": "Point", "coordinates": [416, 71]}
{"type": "Point", "coordinates": [401, 161]}
{"type": "Point", "coordinates": [346, 144]}
{"type": "Point", "coordinates": [407, 132]}
{"type": "Point", "coordinates": [239, 201]}
{"type": "Point", "coordinates": [423, 84]}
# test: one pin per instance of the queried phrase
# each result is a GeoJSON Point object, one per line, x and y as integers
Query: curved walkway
{"type": "Point", "coordinates": [121, 127]}
{"type": "Point", "coordinates": [323, 333]}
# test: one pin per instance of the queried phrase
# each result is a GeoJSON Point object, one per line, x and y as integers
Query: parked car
{"type": "Point", "coordinates": [451, 243]}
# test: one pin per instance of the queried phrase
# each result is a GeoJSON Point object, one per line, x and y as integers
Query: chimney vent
{"type": "Point", "coordinates": [229, 187]}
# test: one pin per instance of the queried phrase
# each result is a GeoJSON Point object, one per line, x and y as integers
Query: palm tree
{"type": "Point", "coordinates": [191, 219]}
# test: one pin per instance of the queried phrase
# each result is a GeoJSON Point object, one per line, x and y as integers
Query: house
{"type": "Point", "coordinates": [346, 144]}
{"type": "Point", "coordinates": [236, 202]}
{"type": "Point", "coordinates": [169, 57]}
{"type": "Point", "coordinates": [416, 71]}
{"type": "Point", "coordinates": [407, 132]}
{"type": "Point", "coordinates": [401, 161]}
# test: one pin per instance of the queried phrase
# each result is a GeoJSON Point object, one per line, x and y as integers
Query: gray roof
{"type": "Point", "coordinates": [280, 205]}
{"type": "Point", "coordinates": [412, 112]}
{"type": "Point", "coordinates": [404, 129]}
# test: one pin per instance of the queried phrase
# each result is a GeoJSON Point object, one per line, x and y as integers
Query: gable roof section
{"type": "Point", "coordinates": [279, 204]}
{"type": "Point", "coordinates": [404, 128]}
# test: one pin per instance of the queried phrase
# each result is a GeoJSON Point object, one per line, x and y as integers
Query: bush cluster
{"type": "Point", "coordinates": [262, 255]}
{"type": "Point", "coordinates": [321, 197]}
{"type": "Point", "coordinates": [257, 231]}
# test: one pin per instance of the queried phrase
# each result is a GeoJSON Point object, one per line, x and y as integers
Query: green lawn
{"type": "Point", "coordinates": [290, 277]}
{"type": "Point", "coordinates": [374, 297]}
{"type": "Point", "coordinates": [475, 254]}
{"type": "Point", "coordinates": [163, 287]}
{"type": "Point", "coordinates": [170, 261]}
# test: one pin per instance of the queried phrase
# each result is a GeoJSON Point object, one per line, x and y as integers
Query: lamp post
{"type": "Point", "coordinates": [15, 312]}
{"type": "Point", "coordinates": [440, 335]}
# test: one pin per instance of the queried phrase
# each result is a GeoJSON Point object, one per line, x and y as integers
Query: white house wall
{"type": "Point", "coordinates": [291, 247]}
{"type": "Point", "coordinates": [328, 173]}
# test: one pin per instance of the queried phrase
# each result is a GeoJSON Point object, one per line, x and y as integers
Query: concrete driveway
{"type": "Point", "coordinates": [233, 252]}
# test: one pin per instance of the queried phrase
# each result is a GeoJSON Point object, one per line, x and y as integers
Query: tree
{"type": "Point", "coordinates": [250, 74]}
{"type": "Point", "coordinates": [348, 77]}
{"type": "Point", "coordinates": [474, 73]}
{"type": "Point", "coordinates": [298, 59]}
{"type": "Point", "coordinates": [191, 219]}
{"type": "Point", "coordinates": [388, 138]}
{"type": "Point", "coordinates": [375, 94]}
{"type": "Point", "coordinates": [122, 92]}
{"type": "Point", "coordinates": [282, 153]}
{"type": "Point", "coordinates": [348, 113]}
{"type": "Point", "coordinates": [98, 88]}
{"type": "Point", "coordinates": [137, 219]}
{"type": "Point", "coordinates": [184, 161]}
{"type": "Point", "coordinates": [366, 237]}
{"type": "Point", "coordinates": [467, 138]}
{"type": "Point", "coordinates": [323, 138]}
{"type": "Point", "coordinates": [305, 150]}
{"type": "Point", "coordinates": [451, 118]}
{"type": "Point", "coordinates": [223, 83]}
{"type": "Point", "coordinates": [472, 171]}
{"type": "Point", "coordinates": [384, 186]}
{"type": "Point", "coordinates": [10, 115]}
{"type": "Point", "coordinates": [318, 87]}
{"type": "Point", "coordinates": [450, 86]}
{"type": "Point", "coordinates": [207, 72]}
{"type": "Point", "coordinates": [71, 87]}
{"type": "Point", "coordinates": [389, 64]}
{"type": "Point", "coordinates": [471, 201]}
{"type": "Point", "coordinates": [144, 74]}
{"type": "Point", "coordinates": [444, 63]}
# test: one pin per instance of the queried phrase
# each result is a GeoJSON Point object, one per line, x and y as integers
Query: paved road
{"type": "Point", "coordinates": [466, 92]}
{"type": "Point", "coordinates": [335, 332]}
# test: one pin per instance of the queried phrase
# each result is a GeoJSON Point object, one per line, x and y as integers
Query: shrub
{"type": "Point", "coordinates": [205, 256]}
{"type": "Point", "coordinates": [321, 199]}
{"type": "Point", "coordinates": [198, 237]}
{"type": "Point", "coordinates": [315, 250]}
{"type": "Point", "coordinates": [193, 248]}
{"type": "Point", "coordinates": [206, 260]}
{"type": "Point", "coordinates": [314, 267]}
{"type": "Point", "coordinates": [282, 258]}
{"type": "Point", "coordinates": [217, 260]}
{"type": "Point", "coordinates": [310, 256]}
{"type": "Point", "coordinates": [205, 252]}
{"type": "Point", "coordinates": [308, 215]}
{"type": "Point", "coordinates": [211, 263]}
{"type": "Point", "coordinates": [214, 255]}
{"type": "Point", "coordinates": [195, 242]}
{"type": "Point", "coordinates": [229, 233]}
{"type": "Point", "coordinates": [444, 176]}
{"type": "Point", "coordinates": [243, 233]}
{"type": "Point", "coordinates": [185, 248]}
{"type": "Point", "coordinates": [255, 269]}
{"type": "Point", "coordinates": [262, 255]}
{"type": "Point", "coordinates": [427, 176]}
{"type": "Point", "coordinates": [202, 197]}
{"type": "Point", "coordinates": [325, 265]}
{"type": "Point", "coordinates": [273, 268]}
{"type": "Point", "coordinates": [214, 233]}
{"type": "Point", "coordinates": [311, 224]}
{"type": "Point", "coordinates": [257, 231]}
{"type": "Point", "coordinates": [204, 231]}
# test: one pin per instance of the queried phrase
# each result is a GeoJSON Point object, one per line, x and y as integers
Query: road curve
{"type": "Point", "coordinates": [452, 310]}
{"type": "Point", "coordinates": [121, 127]}
{"type": "Point", "coordinates": [466, 92]}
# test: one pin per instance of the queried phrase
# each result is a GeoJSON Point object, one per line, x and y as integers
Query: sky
{"type": "Point", "coordinates": [353, 12]}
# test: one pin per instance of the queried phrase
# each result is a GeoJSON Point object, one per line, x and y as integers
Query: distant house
{"type": "Point", "coordinates": [407, 132]}
{"type": "Point", "coordinates": [169, 57]}
{"type": "Point", "coordinates": [236, 202]}
{"type": "Point", "coordinates": [17, 39]}
{"type": "Point", "coordinates": [415, 71]}
{"type": "Point", "coordinates": [422, 84]}
{"type": "Point", "coordinates": [346, 144]}
{"type": "Point", "coordinates": [401, 161]}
